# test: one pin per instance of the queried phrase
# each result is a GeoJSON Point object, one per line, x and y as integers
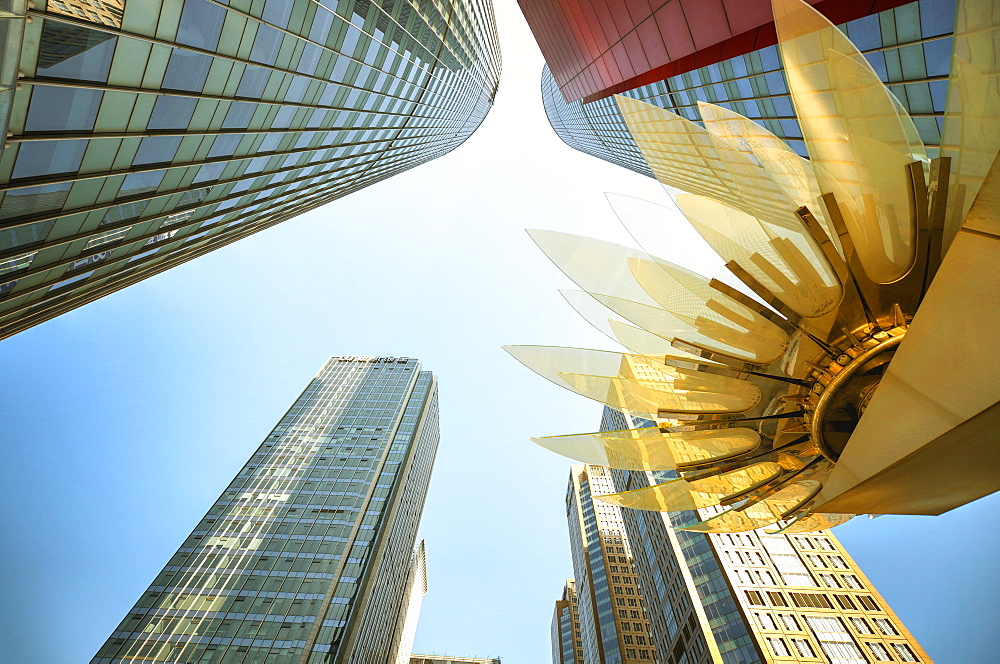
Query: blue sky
{"type": "Point", "coordinates": [125, 419]}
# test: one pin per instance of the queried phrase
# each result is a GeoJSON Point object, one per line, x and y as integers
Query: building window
{"type": "Point", "coordinates": [777, 599]}
{"type": "Point", "coordinates": [853, 582]}
{"type": "Point", "coordinates": [803, 600]}
{"type": "Point", "coordinates": [885, 626]}
{"type": "Point", "coordinates": [754, 598]}
{"type": "Point", "coordinates": [904, 652]}
{"type": "Point", "coordinates": [789, 622]}
{"type": "Point", "coordinates": [778, 647]}
{"type": "Point", "coordinates": [879, 652]}
{"type": "Point", "coordinates": [845, 602]}
{"type": "Point", "coordinates": [834, 640]}
{"type": "Point", "coordinates": [830, 580]}
{"type": "Point", "coordinates": [868, 603]}
{"type": "Point", "coordinates": [765, 620]}
{"type": "Point", "coordinates": [803, 648]}
{"type": "Point", "coordinates": [861, 626]}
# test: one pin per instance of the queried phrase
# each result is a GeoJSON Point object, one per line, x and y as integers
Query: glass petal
{"type": "Point", "coordinates": [649, 448]}
{"type": "Point", "coordinates": [813, 522]}
{"type": "Point", "coordinates": [790, 173]}
{"type": "Point", "coordinates": [593, 265]}
{"type": "Point", "coordinates": [687, 294]}
{"type": "Point", "coordinates": [739, 237]}
{"type": "Point", "coordinates": [858, 139]}
{"type": "Point", "coordinates": [688, 392]}
{"type": "Point", "coordinates": [680, 495]}
{"type": "Point", "coordinates": [765, 512]}
{"type": "Point", "coordinates": [971, 131]}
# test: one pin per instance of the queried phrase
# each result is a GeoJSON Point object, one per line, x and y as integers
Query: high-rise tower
{"type": "Point", "coordinates": [567, 646]}
{"type": "Point", "coordinates": [723, 53]}
{"type": "Point", "coordinates": [141, 135]}
{"type": "Point", "coordinates": [753, 597]}
{"type": "Point", "coordinates": [614, 627]}
{"type": "Point", "coordinates": [307, 556]}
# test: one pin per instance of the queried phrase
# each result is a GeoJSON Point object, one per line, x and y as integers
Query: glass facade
{"type": "Point", "coordinates": [614, 627]}
{"type": "Point", "coordinates": [306, 557]}
{"type": "Point", "coordinates": [909, 47]}
{"type": "Point", "coordinates": [750, 597]}
{"type": "Point", "coordinates": [141, 136]}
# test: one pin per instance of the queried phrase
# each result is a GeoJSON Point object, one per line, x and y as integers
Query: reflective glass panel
{"type": "Point", "coordinates": [62, 109]}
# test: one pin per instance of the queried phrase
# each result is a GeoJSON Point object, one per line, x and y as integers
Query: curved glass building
{"type": "Point", "coordinates": [909, 47]}
{"type": "Point", "coordinates": [140, 135]}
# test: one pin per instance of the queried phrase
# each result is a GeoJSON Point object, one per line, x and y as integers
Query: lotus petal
{"type": "Point", "coordinates": [681, 495]}
{"type": "Point", "coordinates": [776, 264]}
{"type": "Point", "coordinates": [762, 513]}
{"type": "Point", "coordinates": [593, 265]}
{"type": "Point", "coordinates": [688, 392]}
{"type": "Point", "coordinates": [971, 134]}
{"type": "Point", "coordinates": [651, 449]}
{"type": "Point", "coordinates": [812, 522]}
{"type": "Point", "coordinates": [688, 295]}
{"type": "Point", "coordinates": [855, 133]}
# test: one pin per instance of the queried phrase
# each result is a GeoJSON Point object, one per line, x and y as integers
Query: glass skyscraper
{"type": "Point", "coordinates": [140, 135]}
{"type": "Point", "coordinates": [753, 597]}
{"type": "Point", "coordinates": [908, 46]}
{"type": "Point", "coordinates": [308, 556]}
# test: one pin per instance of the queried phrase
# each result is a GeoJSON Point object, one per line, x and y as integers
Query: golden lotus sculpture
{"type": "Point", "coordinates": [863, 377]}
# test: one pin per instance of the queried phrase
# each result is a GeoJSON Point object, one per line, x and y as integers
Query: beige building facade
{"type": "Point", "coordinates": [614, 627]}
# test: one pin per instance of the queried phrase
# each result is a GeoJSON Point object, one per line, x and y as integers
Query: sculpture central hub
{"type": "Point", "coordinates": [844, 388]}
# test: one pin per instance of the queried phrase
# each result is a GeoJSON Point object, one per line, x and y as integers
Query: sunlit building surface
{"type": "Point", "coordinates": [750, 598]}
{"type": "Point", "coordinates": [614, 626]}
{"type": "Point", "coordinates": [567, 646]}
{"type": "Point", "coordinates": [417, 588]}
{"type": "Point", "coordinates": [308, 555]}
{"type": "Point", "coordinates": [909, 46]}
{"type": "Point", "coordinates": [142, 135]}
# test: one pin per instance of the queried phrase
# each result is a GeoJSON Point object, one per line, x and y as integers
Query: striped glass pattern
{"type": "Point", "coordinates": [909, 47]}
{"type": "Point", "coordinates": [144, 134]}
{"type": "Point", "coordinates": [304, 557]}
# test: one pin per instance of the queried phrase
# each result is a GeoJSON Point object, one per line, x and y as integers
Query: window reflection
{"type": "Point", "coordinates": [39, 158]}
{"type": "Point", "coordinates": [73, 52]}
{"type": "Point", "coordinates": [136, 184]}
{"type": "Point", "coordinates": [156, 150]}
{"type": "Point", "coordinates": [186, 71]}
{"type": "Point", "coordinates": [201, 24]}
{"type": "Point", "coordinates": [62, 109]}
{"type": "Point", "coordinates": [172, 112]}
{"type": "Point", "coordinates": [33, 200]}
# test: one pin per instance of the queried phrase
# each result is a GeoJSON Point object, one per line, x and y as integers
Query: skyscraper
{"type": "Point", "coordinates": [751, 597]}
{"type": "Point", "coordinates": [907, 43]}
{"type": "Point", "coordinates": [567, 646]}
{"type": "Point", "coordinates": [306, 556]}
{"type": "Point", "coordinates": [417, 583]}
{"type": "Point", "coordinates": [142, 135]}
{"type": "Point", "coordinates": [614, 627]}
